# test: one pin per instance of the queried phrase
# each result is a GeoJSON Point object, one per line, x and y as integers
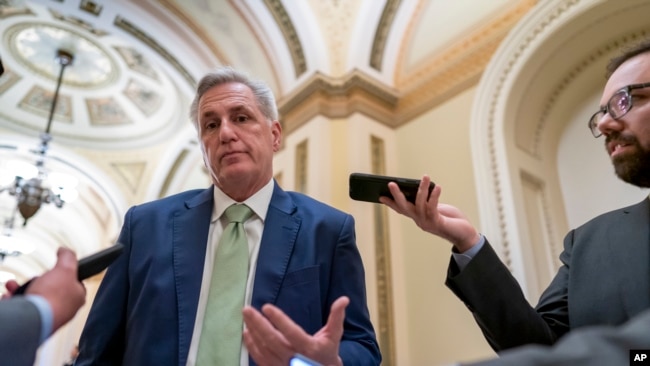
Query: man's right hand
{"type": "Point", "coordinates": [440, 219]}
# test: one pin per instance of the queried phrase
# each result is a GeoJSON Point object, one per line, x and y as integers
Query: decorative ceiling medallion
{"type": "Point", "coordinates": [145, 38]}
{"type": "Point", "coordinates": [136, 61]}
{"type": "Point", "coordinates": [9, 10]}
{"type": "Point", "coordinates": [106, 112]}
{"type": "Point", "coordinates": [146, 99]}
{"type": "Point", "coordinates": [8, 79]}
{"type": "Point", "coordinates": [91, 7]}
{"type": "Point", "coordinates": [39, 101]}
{"type": "Point", "coordinates": [74, 21]}
{"type": "Point", "coordinates": [35, 46]}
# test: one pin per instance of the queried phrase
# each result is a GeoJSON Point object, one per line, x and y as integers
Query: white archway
{"type": "Point", "coordinates": [546, 76]}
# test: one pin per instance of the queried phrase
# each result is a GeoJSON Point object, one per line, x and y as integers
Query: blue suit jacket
{"type": "Point", "coordinates": [145, 308]}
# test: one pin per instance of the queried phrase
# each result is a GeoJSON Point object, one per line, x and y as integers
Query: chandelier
{"type": "Point", "coordinates": [32, 184]}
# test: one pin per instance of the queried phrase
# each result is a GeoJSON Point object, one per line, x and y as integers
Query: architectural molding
{"type": "Point", "coordinates": [415, 93]}
{"type": "Point", "coordinates": [196, 29]}
{"type": "Point", "coordinates": [338, 98]}
{"type": "Point", "coordinates": [578, 68]}
{"type": "Point", "coordinates": [381, 33]}
{"type": "Point", "coordinates": [529, 87]}
{"type": "Point", "coordinates": [132, 29]}
{"type": "Point", "coordinates": [454, 69]}
{"type": "Point", "coordinates": [290, 35]}
{"type": "Point", "coordinates": [494, 178]}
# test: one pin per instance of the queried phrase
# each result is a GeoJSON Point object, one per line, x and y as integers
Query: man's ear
{"type": "Point", "coordinates": [276, 131]}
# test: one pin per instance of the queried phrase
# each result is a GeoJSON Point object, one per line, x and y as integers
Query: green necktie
{"type": "Point", "coordinates": [221, 336]}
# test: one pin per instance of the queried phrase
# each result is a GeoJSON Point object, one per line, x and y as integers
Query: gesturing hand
{"type": "Point", "coordinates": [273, 338]}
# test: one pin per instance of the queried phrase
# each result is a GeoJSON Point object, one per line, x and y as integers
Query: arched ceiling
{"type": "Point", "coordinates": [121, 123]}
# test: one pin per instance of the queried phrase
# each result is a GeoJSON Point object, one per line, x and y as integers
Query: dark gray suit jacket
{"type": "Point", "coordinates": [20, 330]}
{"type": "Point", "coordinates": [598, 345]}
{"type": "Point", "coordinates": [604, 280]}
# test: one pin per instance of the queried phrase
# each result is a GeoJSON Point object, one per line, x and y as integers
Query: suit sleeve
{"type": "Point", "coordinates": [497, 302]}
{"type": "Point", "coordinates": [102, 339]}
{"type": "Point", "coordinates": [20, 328]}
{"type": "Point", "coordinates": [358, 344]}
{"type": "Point", "coordinates": [600, 345]}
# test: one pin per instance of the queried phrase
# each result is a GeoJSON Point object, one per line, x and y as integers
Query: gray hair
{"type": "Point", "coordinates": [223, 75]}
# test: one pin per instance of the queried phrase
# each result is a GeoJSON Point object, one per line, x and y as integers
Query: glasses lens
{"type": "Point", "coordinates": [619, 104]}
{"type": "Point", "coordinates": [593, 123]}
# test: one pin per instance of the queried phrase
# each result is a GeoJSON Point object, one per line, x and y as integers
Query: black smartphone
{"type": "Point", "coordinates": [95, 263]}
{"type": "Point", "coordinates": [369, 187]}
{"type": "Point", "coordinates": [88, 266]}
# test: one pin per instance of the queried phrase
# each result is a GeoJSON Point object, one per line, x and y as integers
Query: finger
{"type": "Point", "coordinates": [254, 321]}
{"type": "Point", "coordinates": [337, 317]}
{"type": "Point", "coordinates": [398, 195]}
{"type": "Point", "coordinates": [391, 204]}
{"type": "Point", "coordinates": [423, 191]}
{"type": "Point", "coordinates": [11, 286]}
{"type": "Point", "coordinates": [66, 259]}
{"type": "Point", "coordinates": [266, 338]}
{"type": "Point", "coordinates": [251, 346]}
{"type": "Point", "coordinates": [291, 331]}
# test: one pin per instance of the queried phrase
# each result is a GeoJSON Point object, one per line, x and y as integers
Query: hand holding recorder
{"type": "Point", "coordinates": [88, 266]}
{"type": "Point", "coordinates": [61, 286]}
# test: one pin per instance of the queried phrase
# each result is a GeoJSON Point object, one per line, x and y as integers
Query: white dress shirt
{"type": "Point", "coordinates": [254, 227]}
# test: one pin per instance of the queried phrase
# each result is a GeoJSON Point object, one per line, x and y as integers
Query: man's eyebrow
{"type": "Point", "coordinates": [235, 109]}
{"type": "Point", "coordinates": [207, 114]}
{"type": "Point", "coordinates": [239, 108]}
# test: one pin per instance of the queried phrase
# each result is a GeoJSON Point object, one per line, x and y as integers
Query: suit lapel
{"type": "Point", "coordinates": [629, 244]}
{"type": "Point", "coordinates": [278, 239]}
{"type": "Point", "coordinates": [190, 237]}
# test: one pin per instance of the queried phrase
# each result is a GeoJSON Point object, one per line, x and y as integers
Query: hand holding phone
{"type": "Point", "coordinates": [369, 187]}
{"type": "Point", "coordinates": [88, 266]}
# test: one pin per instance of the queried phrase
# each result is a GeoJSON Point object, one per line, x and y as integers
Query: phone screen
{"type": "Point", "coordinates": [300, 360]}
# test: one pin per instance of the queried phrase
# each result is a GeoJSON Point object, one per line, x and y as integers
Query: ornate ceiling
{"type": "Point", "coordinates": [121, 127]}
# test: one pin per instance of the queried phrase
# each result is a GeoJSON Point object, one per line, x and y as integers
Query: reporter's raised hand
{"type": "Point", "coordinates": [273, 338]}
{"type": "Point", "coordinates": [440, 219]}
{"type": "Point", "coordinates": [60, 287]}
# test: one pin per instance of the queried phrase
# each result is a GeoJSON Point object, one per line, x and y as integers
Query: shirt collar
{"type": "Point", "coordinates": [259, 202]}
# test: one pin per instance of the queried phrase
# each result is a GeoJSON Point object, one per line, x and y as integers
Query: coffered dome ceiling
{"type": "Point", "coordinates": [111, 92]}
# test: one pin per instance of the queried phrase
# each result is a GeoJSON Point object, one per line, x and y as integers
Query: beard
{"type": "Point", "coordinates": [634, 167]}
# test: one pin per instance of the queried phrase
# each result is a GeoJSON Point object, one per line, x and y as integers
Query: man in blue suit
{"type": "Point", "coordinates": [151, 305]}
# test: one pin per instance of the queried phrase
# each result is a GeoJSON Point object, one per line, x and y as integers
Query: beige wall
{"type": "Point", "coordinates": [431, 326]}
{"type": "Point", "coordinates": [441, 329]}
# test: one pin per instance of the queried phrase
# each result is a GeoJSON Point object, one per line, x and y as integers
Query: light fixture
{"type": "Point", "coordinates": [32, 185]}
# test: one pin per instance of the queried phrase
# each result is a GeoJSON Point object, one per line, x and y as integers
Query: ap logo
{"type": "Point", "coordinates": [639, 357]}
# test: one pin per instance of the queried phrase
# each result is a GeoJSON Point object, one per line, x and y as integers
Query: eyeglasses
{"type": "Point", "coordinates": [617, 106]}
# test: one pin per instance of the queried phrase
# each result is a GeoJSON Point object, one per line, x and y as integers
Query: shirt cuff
{"type": "Point", "coordinates": [45, 310]}
{"type": "Point", "coordinates": [463, 259]}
